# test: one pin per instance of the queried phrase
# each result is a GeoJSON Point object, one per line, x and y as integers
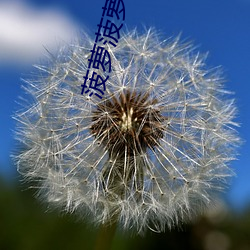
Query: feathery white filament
{"type": "Point", "coordinates": [151, 153]}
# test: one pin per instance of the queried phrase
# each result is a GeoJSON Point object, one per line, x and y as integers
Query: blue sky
{"type": "Point", "coordinates": [221, 27]}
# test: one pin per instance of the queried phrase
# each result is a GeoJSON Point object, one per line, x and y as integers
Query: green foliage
{"type": "Point", "coordinates": [25, 225]}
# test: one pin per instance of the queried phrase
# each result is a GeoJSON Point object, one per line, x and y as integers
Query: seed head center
{"type": "Point", "coordinates": [127, 122]}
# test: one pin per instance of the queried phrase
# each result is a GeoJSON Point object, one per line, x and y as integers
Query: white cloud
{"type": "Point", "coordinates": [25, 31]}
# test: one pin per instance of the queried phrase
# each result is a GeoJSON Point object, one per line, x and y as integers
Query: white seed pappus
{"type": "Point", "coordinates": [151, 153]}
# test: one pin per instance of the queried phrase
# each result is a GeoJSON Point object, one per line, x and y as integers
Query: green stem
{"type": "Point", "coordinates": [105, 236]}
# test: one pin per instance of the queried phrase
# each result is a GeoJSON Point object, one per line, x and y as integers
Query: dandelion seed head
{"type": "Point", "coordinates": [151, 153]}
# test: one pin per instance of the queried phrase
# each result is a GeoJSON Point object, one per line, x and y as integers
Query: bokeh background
{"type": "Point", "coordinates": [28, 28]}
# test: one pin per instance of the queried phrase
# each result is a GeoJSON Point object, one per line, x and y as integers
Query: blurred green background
{"type": "Point", "coordinates": [27, 225]}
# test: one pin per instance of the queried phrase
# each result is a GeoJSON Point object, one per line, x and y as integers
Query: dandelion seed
{"type": "Point", "coordinates": [150, 154]}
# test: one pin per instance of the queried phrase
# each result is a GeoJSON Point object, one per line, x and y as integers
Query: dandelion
{"type": "Point", "coordinates": [151, 153]}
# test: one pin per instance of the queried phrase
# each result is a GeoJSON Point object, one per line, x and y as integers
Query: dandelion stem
{"type": "Point", "coordinates": [105, 236]}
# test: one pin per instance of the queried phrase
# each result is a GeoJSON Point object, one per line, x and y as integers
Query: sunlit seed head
{"type": "Point", "coordinates": [151, 153]}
